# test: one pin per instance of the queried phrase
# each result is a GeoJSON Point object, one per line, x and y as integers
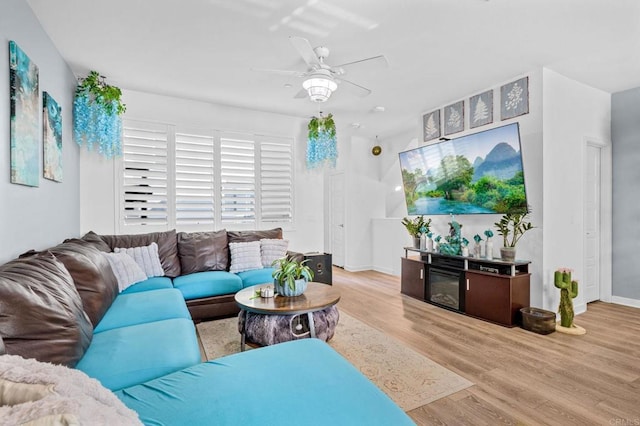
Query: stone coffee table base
{"type": "Point", "coordinates": [266, 329]}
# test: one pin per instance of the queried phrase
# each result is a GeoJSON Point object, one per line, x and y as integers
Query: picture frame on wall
{"type": "Point", "coordinates": [514, 99]}
{"type": "Point", "coordinates": [24, 92]}
{"type": "Point", "coordinates": [431, 126]}
{"type": "Point", "coordinates": [454, 118]}
{"type": "Point", "coordinates": [51, 138]}
{"type": "Point", "coordinates": [481, 109]}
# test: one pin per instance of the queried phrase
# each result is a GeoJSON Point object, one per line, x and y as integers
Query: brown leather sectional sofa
{"type": "Point", "coordinates": [183, 253]}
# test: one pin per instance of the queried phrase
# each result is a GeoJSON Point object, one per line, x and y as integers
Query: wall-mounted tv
{"type": "Point", "coordinates": [476, 174]}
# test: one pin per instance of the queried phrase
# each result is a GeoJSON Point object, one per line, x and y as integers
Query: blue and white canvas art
{"type": "Point", "coordinates": [25, 118]}
{"type": "Point", "coordinates": [52, 138]}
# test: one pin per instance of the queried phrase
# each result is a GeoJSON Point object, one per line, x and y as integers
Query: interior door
{"type": "Point", "coordinates": [592, 205]}
{"type": "Point", "coordinates": [337, 219]}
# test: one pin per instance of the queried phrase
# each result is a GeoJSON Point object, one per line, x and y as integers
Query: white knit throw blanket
{"type": "Point", "coordinates": [72, 396]}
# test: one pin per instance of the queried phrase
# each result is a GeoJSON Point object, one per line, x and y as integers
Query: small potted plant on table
{"type": "Point", "coordinates": [416, 227]}
{"type": "Point", "coordinates": [512, 225]}
{"type": "Point", "coordinates": [290, 277]}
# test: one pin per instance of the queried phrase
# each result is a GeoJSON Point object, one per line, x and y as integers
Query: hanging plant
{"type": "Point", "coordinates": [97, 108]}
{"type": "Point", "coordinates": [321, 143]}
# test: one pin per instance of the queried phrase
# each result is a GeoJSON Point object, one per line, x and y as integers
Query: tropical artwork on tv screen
{"type": "Point", "coordinates": [476, 174]}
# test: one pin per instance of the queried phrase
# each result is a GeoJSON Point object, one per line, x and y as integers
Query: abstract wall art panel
{"type": "Point", "coordinates": [481, 109]}
{"type": "Point", "coordinates": [431, 125]}
{"type": "Point", "coordinates": [52, 138]}
{"type": "Point", "coordinates": [514, 99]}
{"type": "Point", "coordinates": [454, 118]}
{"type": "Point", "coordinates": [25, 118]}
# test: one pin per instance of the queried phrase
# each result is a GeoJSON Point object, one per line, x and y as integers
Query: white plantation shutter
{"type": "Point", "coordinates": [194, 169]}
{"type": "Point", "coordinates": [237, 180]}
{"type": "Point", "coordinates": [276, 181]}
{"type": "Point", "coordinates": [202, 179]}
{"type": "Point", "coordinates": [144, 174]}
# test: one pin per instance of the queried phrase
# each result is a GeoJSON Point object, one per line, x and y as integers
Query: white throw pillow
{"type": "Point", "coordinates": [245, 256]}
{"type": "Point", "coordinates": [271, 250]}
{"type": "Point", "coordinates": [146, 257]}
{"type": "Point", "coordinates": [125, 269]}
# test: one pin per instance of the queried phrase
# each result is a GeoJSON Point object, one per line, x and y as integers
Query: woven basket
{"type": "Point", "coordinates": [538, 320]}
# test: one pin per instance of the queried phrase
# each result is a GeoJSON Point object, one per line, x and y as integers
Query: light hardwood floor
{"type": "Point", "coordinates": [520, 377]}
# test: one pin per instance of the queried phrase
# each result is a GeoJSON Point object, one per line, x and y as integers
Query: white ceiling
{"type": "Point", "coordinates": [438, 51]}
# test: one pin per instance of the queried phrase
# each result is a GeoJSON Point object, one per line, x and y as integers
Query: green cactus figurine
{"type": "Point", "coordinates": [568, 291]}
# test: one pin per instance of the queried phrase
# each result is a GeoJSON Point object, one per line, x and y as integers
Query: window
{"type": "Point", "coordinates": [237, 180]}
{"type": "Point", "coordinates": [203, 180]}
{"type": "Point", "coordinates": [194, 169]}
{"type": "Point", "coordinates": [144, 177]}
{"type": "Point", "coordinates": [276, 181]}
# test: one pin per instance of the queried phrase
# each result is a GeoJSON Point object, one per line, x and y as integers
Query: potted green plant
{"type": "Point", "coordinates": [416, 227]}
{"type": "Point", "coordinates": [290, 277]}
{"type": "Point", "coordinates": [512, 227]}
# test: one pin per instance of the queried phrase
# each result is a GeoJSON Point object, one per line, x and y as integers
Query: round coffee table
{"type": "Point", "coordinates": [317, 297]}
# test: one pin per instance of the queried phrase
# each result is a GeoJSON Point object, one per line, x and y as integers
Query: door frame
{"type": "Point", "coordinates": [606, 203]}
{"type": "Point", "coordinates": [344, 215]}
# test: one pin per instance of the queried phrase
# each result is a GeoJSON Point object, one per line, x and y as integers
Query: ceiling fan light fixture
{"type": "Point", "coordinates": [319, 88]}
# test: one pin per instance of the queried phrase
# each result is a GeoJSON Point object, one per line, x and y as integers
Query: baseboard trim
{"type": "Point", "coordinates": [634, 303]}
{"type": "Point", "coordinates": [350, 268]}
{"type": "Point", "coordinates": [387, 271]}
{"type": "Point", "coordinates": [580, 309]}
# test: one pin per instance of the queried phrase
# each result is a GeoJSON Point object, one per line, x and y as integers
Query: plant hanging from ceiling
{"type": "Point", "coordinates": [321, 143]}
{"type": "Point", "coordinates": [97, 108]}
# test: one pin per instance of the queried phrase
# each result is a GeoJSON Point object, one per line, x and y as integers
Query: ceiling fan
{"type": "Point", "coordinates": [322, 79]}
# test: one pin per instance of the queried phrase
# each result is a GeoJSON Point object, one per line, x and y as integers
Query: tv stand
{"type": "Point", "coordinates": [490, 289]}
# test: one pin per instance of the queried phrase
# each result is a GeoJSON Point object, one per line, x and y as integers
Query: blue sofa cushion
{"type": "Point", "coordinates": [207, 284]}
{"type": "Point", "coordinates": [251, 388]}
{"type": "Point", "coordinates": [154, 283]}
{"type": "Point", "coordinates": [256, 276]}
{"type": "Point", "coordinates": [144, 307]}
{"type": "Point", "coordinates": [127, 356]}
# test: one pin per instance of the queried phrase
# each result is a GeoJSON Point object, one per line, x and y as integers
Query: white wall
{"type": "Point", "coordinates": [573, 113]}
{"type": "Point", "coordinates": [388, 238]}
{"type": "Point", "coordinates": [36, 218]}
{"type": "Point", "coordinates": [98, 193]}
{"type": "Point", "coordinates": [363, 202]}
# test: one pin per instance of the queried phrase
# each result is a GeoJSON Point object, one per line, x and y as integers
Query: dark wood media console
{"type": "Point", "coordinates": [489, 289]}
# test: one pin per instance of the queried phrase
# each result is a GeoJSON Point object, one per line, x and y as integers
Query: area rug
{"type": "Point", "coordinates": [407, 377]}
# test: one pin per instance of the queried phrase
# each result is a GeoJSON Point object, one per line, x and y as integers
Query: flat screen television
{"type": "Point", "coordinates": [480, 173]}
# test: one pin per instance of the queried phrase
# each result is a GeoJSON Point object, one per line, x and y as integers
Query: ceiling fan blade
{"type": "Point", "coordinates": [354, 88]}
{"type": "Point", "coordinates": [301, 94]}
{"type": "Point", "coordinates": [379, 61]}
{"type": "Point", "coordinates": [281, 72]}
{"type": "Point", "coordinates": [305, 50]}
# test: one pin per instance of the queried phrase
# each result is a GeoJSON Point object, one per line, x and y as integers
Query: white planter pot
{"type": "Point", "coordinates": [284, 290]}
